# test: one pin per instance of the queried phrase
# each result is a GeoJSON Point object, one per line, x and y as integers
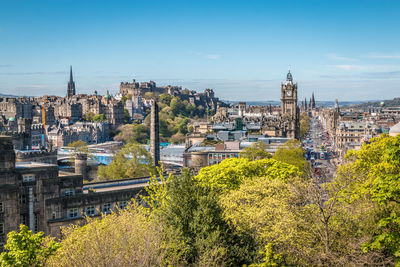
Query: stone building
{"type": "Point", "coordinates": [289, 110]}
{"type": "Point", "coordinates": [45, 199]}
{"type": "Point", "coordinates": [20, 107]}
{"type": "Point", "coordinates": [263, 119]}
{"type": "Point", "coordinates": [137, 91]}
{"type": "Point", "coordinates": [348, 129]}
{"type": "Point", "coordinates": [89, 132]}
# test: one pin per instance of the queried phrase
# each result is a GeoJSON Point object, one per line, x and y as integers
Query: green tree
{"type": "Point", "coordinates": [25, 248]}
{"type": "Point", "coordinates": [99, 117]}
{"type": "Point", "coordinates": [130, 237]}
{"type": "Point", "coordinates": [89, 116]}
{"type": "Point", "coordinates": [149, 95]}
{"type": "Point", "coordinates": [292, 153]}
{"type": "Point", "coordinates": [230, 173]}
{"type": "Point", "coordinates": [197, 231]}
{"type": "Point", "coordinates": [304, 124]}
{"type": "Point", "coordinates": [256, 151]}
{"type": "Point", "coordinates": [79, 146]}
{"type": "Point", "coordinates": [133, 133]}
{"type": "Point", "coordinates": [370, 183]}
{"type": "Point", "coordinates": [165, 99]}
{"type": "Point", "coordinates": [127, 117]}
{"type": "Point", "coordinates": [133, 160]}
{"type": "Point", "coordinates": [178, 138]}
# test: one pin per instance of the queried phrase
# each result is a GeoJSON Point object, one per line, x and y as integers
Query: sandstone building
{"type": "Point", "coordinates": [45, 199]}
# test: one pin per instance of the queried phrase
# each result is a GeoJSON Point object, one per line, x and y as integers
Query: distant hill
{"type": "Point", "coordinates": [389, 103]}
{"type": "Point", "coordinates": [318, 103]}
{"type": "Point", "coordinates": [4, 95]}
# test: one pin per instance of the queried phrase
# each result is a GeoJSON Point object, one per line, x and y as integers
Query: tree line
{"type": "Point", "coordinates": [248, 211]}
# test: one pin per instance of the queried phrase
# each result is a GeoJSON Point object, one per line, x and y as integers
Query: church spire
{"type": "Point", "coordinates": [312, 101]}
{"type": "Point", "coordinates": [71, 84]}
{"type": "Point", "coordinates": [70, 74]}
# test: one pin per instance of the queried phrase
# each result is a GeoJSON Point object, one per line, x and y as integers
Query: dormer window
{"type": "Point", "coordinates": [28, 177]}
{"type": "Point", "coordinates": [69, 192]}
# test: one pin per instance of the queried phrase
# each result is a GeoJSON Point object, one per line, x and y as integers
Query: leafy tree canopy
{"type": "Point", "coordinates": [256, 151]}
{"type": "Point", "coordinates": [292, 153]}
{"type": "Point", "coordinates": [133, 160]}
{"type": "Point", "coordinates": [230, 173]}
{"type": "Point", "coordinates": [370, 181]}
{"type": "Point", "coordinates": [25, 248]}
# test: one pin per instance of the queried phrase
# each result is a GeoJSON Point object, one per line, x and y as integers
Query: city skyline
{"type": "Point", "coordinates": [240, 50]}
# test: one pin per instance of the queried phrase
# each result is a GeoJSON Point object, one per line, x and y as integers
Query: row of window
{"type": "Point", "coordinates": [23, 199]}
{"type": "Point", "coordinates": [28, 178]}
{"type": "Point", "coordinates": [91, 210]}
{"type": "Point", "coordinates": [24, 221]}
{"type": "Point", "coordinates": [222, 155]}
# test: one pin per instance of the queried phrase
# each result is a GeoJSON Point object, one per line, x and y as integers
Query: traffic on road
{"type": "Point", "coordinates": [319, 151]}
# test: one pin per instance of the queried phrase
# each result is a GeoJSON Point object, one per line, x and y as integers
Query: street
{"type": "Point", "coordinates": [317, 145]}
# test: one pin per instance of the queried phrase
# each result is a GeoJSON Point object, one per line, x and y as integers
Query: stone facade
{"type": "Point", "coordinates": [266, 120]}
{"type": "Point", "coordinates": [45, 199]}
{"type": "Point", "coordinates": [89, 132]}
{"type": "Point", "coordinates": [137, 91]}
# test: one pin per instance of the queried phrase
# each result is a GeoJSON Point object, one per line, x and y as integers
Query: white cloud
{"type": "Point", "coordinates": [337, 57]}
{"type": "Point", "coordinates": [384, 55]}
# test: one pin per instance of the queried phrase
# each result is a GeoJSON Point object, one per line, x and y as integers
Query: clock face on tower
{"type": "Point", "coordinates": [289, 92]}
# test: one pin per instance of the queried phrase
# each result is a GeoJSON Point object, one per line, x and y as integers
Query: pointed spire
{"type": "Point", "coordinates": [71, 84]}
{"type": "Point", "coordinates": [70, 74]}
{"type": "Point", "coordinates": [337, 108]}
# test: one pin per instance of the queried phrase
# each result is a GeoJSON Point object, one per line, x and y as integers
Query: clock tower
{"type": "Point", "coordinates": [289, 109]}
{"type": "Point", "coordinates": [289, 96]}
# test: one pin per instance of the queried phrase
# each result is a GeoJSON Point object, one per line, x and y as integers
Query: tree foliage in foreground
{"type": "Point", "coordinates": [25, 248]}
{"type": "Point", "coordinates": [198, 233]}
{"type": "Point", "coordinates": [230, 173]}
{"type": "Point", "coordinates": [126, 238]}
{"type": "Point", "coordinates": [371, 188]}
{"type": "Point", "coordinates": [259, 213]}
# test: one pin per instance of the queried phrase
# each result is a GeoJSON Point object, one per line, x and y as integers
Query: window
{"type": "Point", "coordinates": [107, 208]}
{"type": "Point", "coordinates": [23, 219]}
{"type": "Point", "coordinates": [54, 215]}
{"type": "Point", "coordinates": [1, 228]}
{"type": "Point", "coordinates": [22, 199]}
{"type": "Point", "coordinates": [72, 213]}
{"type": "Point", "coordinates": [36, 223]}
{"type": "Point", "coordinates": [28, 178]}
{"type": "Point", "coordinates": [90, 210]}
{"type": "Point", "coordinates": [1, 207]}
{"type": "Point", "coordinates": [122, 204]}
{"type": "Point", "coordinates": [69, 192]}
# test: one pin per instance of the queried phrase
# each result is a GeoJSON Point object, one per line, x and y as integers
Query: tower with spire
{"type": "Point", "coordinates": [71, 84]}
{"type": "Point", "coordinates": [312, 101]}
{"type": "Point", "coordinates": [289, 108]}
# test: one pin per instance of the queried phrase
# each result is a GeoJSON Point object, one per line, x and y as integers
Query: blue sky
{"type": "Point", "coordinates": [242, 49]}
